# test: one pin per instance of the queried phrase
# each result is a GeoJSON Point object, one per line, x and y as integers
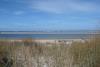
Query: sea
{"type": "Point", "coordinates": [48, 35]}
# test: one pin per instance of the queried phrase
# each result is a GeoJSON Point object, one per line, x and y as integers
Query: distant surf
{"type": "Point", "coordinates": [47, 36]}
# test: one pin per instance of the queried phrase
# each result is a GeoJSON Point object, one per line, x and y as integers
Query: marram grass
{"type": "Point", "coordinates": [28, 53]}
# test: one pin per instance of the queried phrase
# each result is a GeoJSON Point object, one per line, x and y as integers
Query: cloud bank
{"type": "Point", "coordinates": [18, 12]}
{"type": "Point", "coordinates": [63, 6]}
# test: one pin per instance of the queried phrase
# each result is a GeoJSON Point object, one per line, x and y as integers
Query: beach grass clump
{"type": "Point", "coordinates": [5, 54]}
{"type": "Point", "coordinates": [86, 54]}
{"type": "Point", "coordinates": [28, 53]}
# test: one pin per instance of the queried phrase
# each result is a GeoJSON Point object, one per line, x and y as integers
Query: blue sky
{"type": "Point", "coordinates": [41, 15]}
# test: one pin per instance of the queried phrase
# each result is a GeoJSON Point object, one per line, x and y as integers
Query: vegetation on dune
{"type": "Point", "coordinates": [5, 54]}
{"type": "Point", "coordinates": [86, 54]}
{"type": "Point", "coordinates": [28, 53]}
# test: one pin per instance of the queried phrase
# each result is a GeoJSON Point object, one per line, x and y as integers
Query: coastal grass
{"type": "Point", "coordinates": [86, 54]}
{"type": "Point", "coordinates": [28, 53]}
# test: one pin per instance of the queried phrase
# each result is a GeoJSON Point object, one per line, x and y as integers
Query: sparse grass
{"type": "Point", "coordinates": [86, 54]}
{"type": "Point", "coordinates": [28, 53]}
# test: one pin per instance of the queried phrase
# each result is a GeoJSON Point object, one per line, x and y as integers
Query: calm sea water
{"type": "Point", "coordinates": [46, 36]}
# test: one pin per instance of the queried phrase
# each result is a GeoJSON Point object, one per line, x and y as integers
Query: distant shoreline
{"type": "Point", "coordinates": [73, 32]}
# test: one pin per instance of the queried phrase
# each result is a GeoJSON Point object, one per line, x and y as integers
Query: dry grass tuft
{"type": "Point", "coordinates": [28, 53]}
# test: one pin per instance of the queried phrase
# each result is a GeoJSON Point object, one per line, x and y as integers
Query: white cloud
{"type": "Point", "coordinates": [6, 0]}
{"type": "Point", "coordinates": [5, 11]}
{"type": "Point", "coordinates": [62, 6]}
{"type": "Point", "coordinates": [1, 10]}
{"type": "Point", "coordinates": [18, 12]}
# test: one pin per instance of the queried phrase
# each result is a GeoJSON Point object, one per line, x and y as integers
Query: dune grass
{"type": "Point", "coordinates": [86, 54]}
{"type": "Point", "coordinates": [29, 53]}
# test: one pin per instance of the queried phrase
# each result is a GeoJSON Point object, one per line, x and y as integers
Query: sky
{"type": "Point", "coordinates": [49, 15]}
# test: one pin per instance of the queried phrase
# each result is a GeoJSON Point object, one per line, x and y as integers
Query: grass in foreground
{"type": "Point", "coordinates": [29, 53]}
